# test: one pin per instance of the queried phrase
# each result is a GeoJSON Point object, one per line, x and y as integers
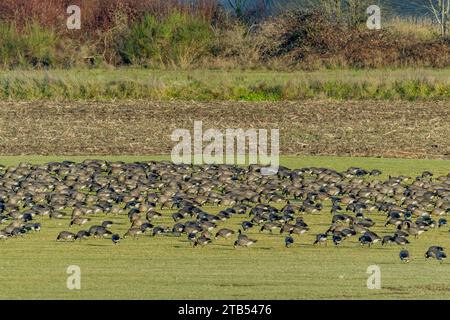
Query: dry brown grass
{"type": "Point", "coordinates": [418, 28]}
{"type": "Point", "coordinates": [387, 129]}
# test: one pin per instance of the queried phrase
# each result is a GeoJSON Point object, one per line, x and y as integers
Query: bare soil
{"type": "Point", "coordinates": [372, 128]}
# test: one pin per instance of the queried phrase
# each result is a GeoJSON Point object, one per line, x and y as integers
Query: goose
{"type": "Point", "coordinates": [79, 221]}
{"type": "Point", "coordinates": [337, 239]}
{"type": "Point", "coordinates": [206, 225]}
{"type": "Point", "coordinates": [160, 230]}
{"type": "Point", "coordinates": [401, 241]}
{"type": "Point", "coordinates": [18, 231]}
{"type": "Point", "coordinates": [146, 226]}
{"type": "Point", "coordinates": [335, 227]}
{"type": "Point", "coordinates": [436, 252]}
{"type": "Point", "coordinates": [365, 222]}
{"type": "Point", "coordinates": [438, 211]}
{"type": "Point", "coordinates": [115, 238]}
{"type": "Point", "coordinates": [192, 237]}
{"type": "Point", "coordinates": [56, 215]}
{"type": "Point", "coordinates": [258, 219]}
{"type": "Point", "coordinates": [387, 239]}
{"type": "Point", "coordinates": [393, 221]}
{"type": "Point", "coordinates": [134, 214]}
{"type": "Point", "coordinates": [288, 241]}
{"type": "Point", "coordinates": [358, 228]}
{"type": "Point", "coordinates": [223, 215]}
{"type": "Point", "coordinates": [414, 231]}
{"type": "Point", "coordinates": [27, 217]}
{"type": "Point", "coordinates": [100, 232]}
{"type": "Point", "coordinates": [335, 209]}
{"type": "Point", "coordinates": [177, 216]}
{"type": "Point", "coordinates": [66, 236]}
{"type": "Point", "coordinates": [82, 234]}
{"type": "Point", "coordinates": [369, 238]}
{"type": "Point", "coordinates": [202, 241]}
{"type": "Point", "coordinates": [107, 224]}
{"type": "Point", "coordinates": [273, 217]}
{"type": "Point", "coordinates": [285, 218]}
{"type": "Point", "coordinates": [300, 222]}
{"type": "Point", "coordinates": [246, 225]}
{"type": "Point", "coordinates": [206, 234]}
{"type": "Point", "coordinates": [177, 228]}
{"type": "Point", "coordinates": [321, 238]}
{"type": "Point", "coordinates": [138, 222]}
{"type": "Point", "coordinates": [244, 242]}
{"type": "Point", "coordinates": [270, 226]}
{"type": "Point", "coordinates": [209, 217]}
{"type": "Point", "coordinates": [311, 209]}
{"type": "Point", "coordinates": [341, 218]}
{"type": "Point", "coordinates": [424, 222]}
{"type": "Point", "coordinates": [427, 174]}
{"type": "Point", "coordinates": [192, 228]}
{"type": "Point", "coordinates": [407, 215]}
{"type": "Point", "coordinates": [286, 228]}
{"type": "Point", "coordinates": [347, 233]}
{"type": "Point", "coordinates": [375, 172]}
{"type": "Point", "coordinates": [400, 233]}
{"type": "Point", "coordinates": [224, 233]}
{"type": "Point", "coordinates": [240, 209]}
{"type": "Point", "coordinates": [404, 256]}
{"type": "Point", "coordinates": [116, 210]}
{"type": "Point", "coordinates": [133, 232]}
{"type": "Point", "coordinates": [33, 227]}
{"type": "Point", "coordinates": [298, 230]}
{"type": "Point", "coordinates": [394, 215]}
{"type": "Point", "coordinates": [153, 214]}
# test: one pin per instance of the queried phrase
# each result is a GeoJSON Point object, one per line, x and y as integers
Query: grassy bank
{"type": "Point", "coordinates": [234, 85]}
{"type": "Point", "coordinates": [167, 267]}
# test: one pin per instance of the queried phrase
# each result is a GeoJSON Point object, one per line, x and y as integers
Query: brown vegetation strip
{"type": "Point", "coordinates": [394, 129]}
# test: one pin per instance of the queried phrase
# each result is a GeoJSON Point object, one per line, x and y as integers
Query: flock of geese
{"type": "Point", "coordinates": [270, 203]}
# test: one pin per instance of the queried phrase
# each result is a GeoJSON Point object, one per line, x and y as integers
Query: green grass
{"type": "Point", "coordinates": [208, 85]}
{"type": "Point", "coordinates": [168, 267]}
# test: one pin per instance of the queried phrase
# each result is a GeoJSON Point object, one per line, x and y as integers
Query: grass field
{"type": "Point", "coordinates": [232, 85]}
{"type": "Point", "coordinates": [168, 267]}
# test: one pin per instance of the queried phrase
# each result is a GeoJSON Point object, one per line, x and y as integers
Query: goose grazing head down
{"type": "Point", "coordinates": [224, 233]}
{"type": "Point", "coordinates": [115, 238]}
{"type": "Point", "coordinates": [244, 241]}
{"type": "Point", "coordinates": [436, 252]}
{"type": "Point", "coordinates": [404, 256]}
{"type": "Point", "coordinates": [201, 241]}
{"type": "Point", "coordinates": [65, 236]}
{"type": "Point", "coordinates": [321, 238]}
{"type": "Point", "coordinates": [288, 241]}
{"type": "Point", "coordinates": [82, 234]}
